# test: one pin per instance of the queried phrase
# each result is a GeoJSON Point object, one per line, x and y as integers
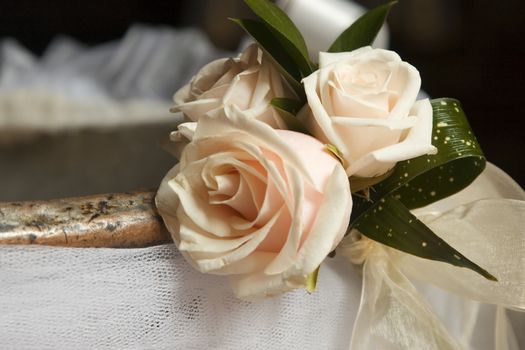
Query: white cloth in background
{"type": "Point", "coordinates": [148, 62]}
{"type": "Point", "coordinates": [130, 80]}
{"type": "Point", "coordinates": [125, 81]}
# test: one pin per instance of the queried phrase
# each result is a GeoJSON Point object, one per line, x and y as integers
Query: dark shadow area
{"type": "Point", "coordinates": [473, 51]}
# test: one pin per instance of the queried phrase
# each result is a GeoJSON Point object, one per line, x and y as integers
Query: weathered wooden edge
{"type": "Point", "coordinates": [117, 220]}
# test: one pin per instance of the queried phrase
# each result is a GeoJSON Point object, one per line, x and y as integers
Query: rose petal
{"type": "Point", "coordinates": [196, 206]}
{"type": "Point", "coordinates": [416, 143]}
{"type": "Point", "coordinates": [361, 78]}
{"type": "Point", "coordinates": [278, 87]}
{"type": "Point", "coordinates": [231, 69]}
{"type": "Point", "coordinates": [314, 115]}
{"type": "Point", "coordinates": [166, 201]}
{"type": "Point", "coordinates": [258, 285]}
{"type": "Point", "coordinates": [275, 196]}
{"type": "Point", "coordinates": [196, 109]}
{"type": "Point", "coordinates": [167, 204]}
{"type": "Point", "coordinates": [262, 89]}
{"type": "Point", "coordinates": [227, 185]}
{"type": "Point", "coordinates": [286, 256]}
{"type": "Point", "coordinates": [266, 114]}
{"type": "Point", "coordinates": [231, 119]}
{"type": "Point", "coordinates": [363, 84]}
{"type": "Point", "coordinates": [237, 169]}
{"type": "Point", "coordinates": [216, 92]}
{"type": "Point", "coordinates": [255, 177]}
{"type": "Point", "coordinates": [184, 132]}
{"type": "Point", "coordinates": [407, 80]}
{"type": "Point", "coordinates": [179, 139]}
{"type": "Point", "coordinates": [208, 265]}
{"type": "Point", "coordinates": [203, 80]}
{"type": "Point", "coordinates": [249, 81]}
{"type": "Point", "coordinates": [240, 90]}
{"type": "Point", "coordinates": [362, 134]}
{"type": "Point", "coordinates": [241, 201]}
{"type": "Point", "coordinates": [314, 156]}
{"type": "Point", "coordinates": [330, 225]}
{"type": "Point", "coordinates": [329, 58]}
{"type": "Point", "coordinates": [273, 200]}
{"type": "Point", "coordinates": [324, 77]}
{"type": "Point", "coordinates": [277, 236]}
{"type": "Point", "coordinates": [360, 140]}
{"type": "Point", "coordinates": [333, 216]}
{"type": "Point", "coordinates": [398, 124]}
{"type": "Point", "coordinates": [248, 265]}
{"type": "Point", "coordinates": [369, 106]}
{"type": "Point", "coordinates": [194, 239]}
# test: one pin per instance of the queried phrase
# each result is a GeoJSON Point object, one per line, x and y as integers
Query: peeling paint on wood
{"type": "Point", "coordinates": [119, 220]}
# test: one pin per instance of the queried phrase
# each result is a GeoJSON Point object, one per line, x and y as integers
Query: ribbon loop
{"type": "Point", "coordinates": [393, 315]}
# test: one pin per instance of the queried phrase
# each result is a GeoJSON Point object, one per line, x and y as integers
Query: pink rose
{"type": "Point", "coordinates": [249, 82]}
{"type": "Point", "coordinates": [263, 206]}
{"type": "Point", "coordinates": [364, 103]}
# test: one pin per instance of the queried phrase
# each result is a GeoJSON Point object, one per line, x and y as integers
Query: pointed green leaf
{"type": "Point", "coordinates": [311, 281]}
{"type": "Point", "coordinates": [458, 162]}
{"type": "Point", "coordinates": [363, 31]}
{"type": "Point", "coordinates": [284, 31]}
{"type": "Point", "coordinates": [421, 181]}
{"type": "Point", "coordinates": [336, 153]}
{"type": "Point", "coordinates": [392, 224]}
{"type": "Point", "coordinates": [275, 51]}
{"type": "Point", "coordinates": [287, 104]}
{"type": "Point", "coordinates": [287, 109]}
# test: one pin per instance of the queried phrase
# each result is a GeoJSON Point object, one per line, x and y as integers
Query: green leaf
{"type": "Point", "coordinates": [287, 104]}
{"type": "Point", "coordinates": [458, 162]}
{"type": "Point", "coordinates": [392, 224]}
{"type": "Point", "coordinates": [422, 181]}
{"type": "Point", "coordinates": [275, 52]}
{"type": "Point", "coordinates": [335, 152]}
{"type": "Point", "coordinates": [311, 281]}
{"type": "Point", "coordinates": [287, 108]}
{"type": "Point", "coordinates": [363, 31]}
{"type": "Point", "coordinates": [284, 31]}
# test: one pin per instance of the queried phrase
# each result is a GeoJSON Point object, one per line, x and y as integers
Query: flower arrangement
{"type": "Point", "coordinates": [282, 157]}
{"type": "Point", "coordinates": [284, 163]}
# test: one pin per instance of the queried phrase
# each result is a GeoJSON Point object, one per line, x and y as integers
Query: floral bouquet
{"type": "Point", "coordinates": [284, 163]}
{"type": "Point", "coordinates": [281, 158]}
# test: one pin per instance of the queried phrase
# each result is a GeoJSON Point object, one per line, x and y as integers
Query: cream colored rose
{"type": "Point", "coordinates": [264, 206]}
{"type": "Point", "coordinates": [364, 103]}
{"type": "Point", "coordinates": [249, 81]}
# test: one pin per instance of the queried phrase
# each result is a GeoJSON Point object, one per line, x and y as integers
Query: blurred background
{"type": "Point", "coordinates": [85, 86]}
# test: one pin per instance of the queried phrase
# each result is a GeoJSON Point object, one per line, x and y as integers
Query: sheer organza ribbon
{"type": "Point", "coordinates": [394, 315]}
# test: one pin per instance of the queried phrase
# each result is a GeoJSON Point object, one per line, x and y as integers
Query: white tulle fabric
{"type": "Point", "coordinates": [66, 298]}
{"type": "Point", "coordinates": [63, 298]}
{"type": "Point", "coordinates": [394, 315]}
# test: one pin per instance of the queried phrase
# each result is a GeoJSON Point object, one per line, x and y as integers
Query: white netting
{"type": "Point", "coordinates": [78, 298]}
{"type": "Point", "coordinates": [152, 299]}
